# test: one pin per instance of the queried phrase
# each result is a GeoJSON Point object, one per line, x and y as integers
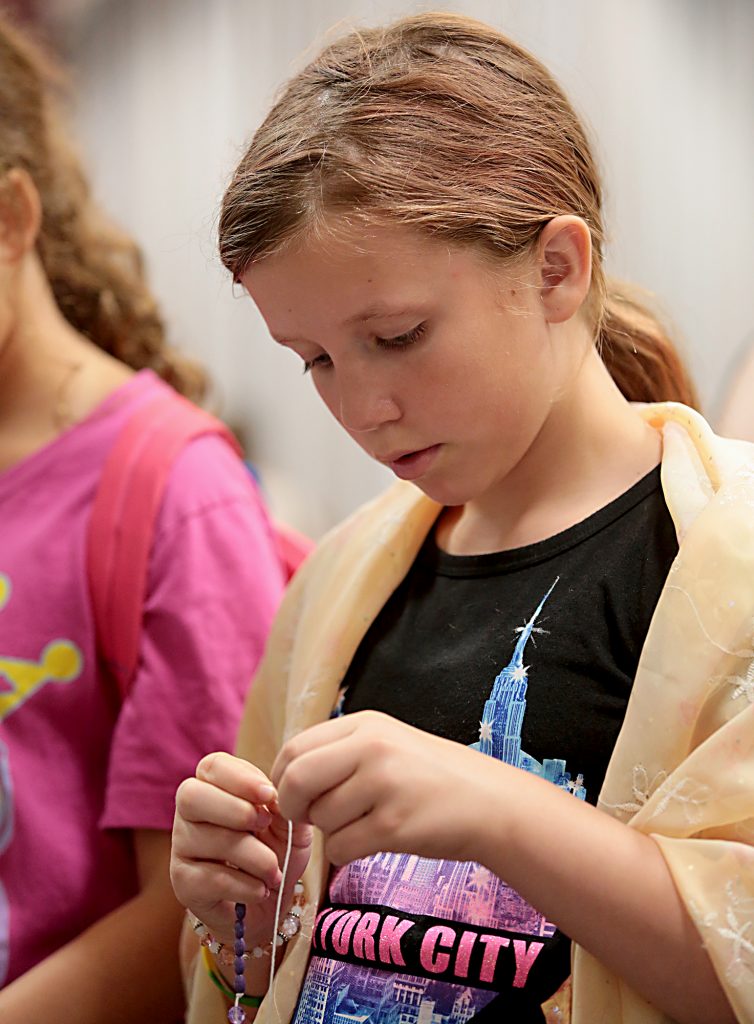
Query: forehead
{"type": "Point", "coordinates": [347, 271]}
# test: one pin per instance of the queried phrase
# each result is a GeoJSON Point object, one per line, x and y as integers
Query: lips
{"type": "Point", "coordinates": [410, 465]}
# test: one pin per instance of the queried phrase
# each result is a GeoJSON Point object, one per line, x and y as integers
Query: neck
{"type": "Point", "coordinates": [50, 375]}
{"type": "Point", "coordinates": [592, 447]}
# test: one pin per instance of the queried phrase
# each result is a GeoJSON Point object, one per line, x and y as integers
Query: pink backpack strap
{"type": "Point", "coordinates": [292, 548]}
{"type": "Point", "coordinates": [123, 520]}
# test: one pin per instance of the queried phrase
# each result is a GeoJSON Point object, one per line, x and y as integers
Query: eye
{"type": "Point", "coordinates": [403, 340]}
{"type": "Point", "coordinates": [322, 361]}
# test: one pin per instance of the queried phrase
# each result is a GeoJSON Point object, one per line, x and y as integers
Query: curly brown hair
{"type": "Point", "coordinates": [95, 270]}
{"type": "Point", "coordinates": [440, 123]}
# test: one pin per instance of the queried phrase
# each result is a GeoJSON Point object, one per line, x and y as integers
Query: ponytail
{"type": "Point", "coordinates": [638, 352]}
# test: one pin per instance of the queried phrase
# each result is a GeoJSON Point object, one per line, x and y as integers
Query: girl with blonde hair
{"type": "Point", "coordinates": [507, 705]}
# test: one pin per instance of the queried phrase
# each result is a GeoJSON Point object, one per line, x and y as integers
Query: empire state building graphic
{"type": "Point", "coordinates": [503, 716]}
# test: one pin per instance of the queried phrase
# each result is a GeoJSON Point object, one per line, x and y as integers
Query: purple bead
{"type": "Point", "coordinates": [240, 911]}
{"type": "Point", "coordinates": [239, 984]}
{"type": "Point", "coordinates": [238, 965]}
{"type": "Point", "coordinates": [236, 1015]}
{"type": "Point", "coordinates": [239, 929]}
{"type": "Point", "coordinates": [240, 947]}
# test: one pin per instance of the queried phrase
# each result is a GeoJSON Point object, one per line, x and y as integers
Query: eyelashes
{"type": "Point", "coordinates": [309, 364]}
{"type": "Point", "coordinates": [398, 342]}
{"type": "Point", "coordinates": [403, 340]}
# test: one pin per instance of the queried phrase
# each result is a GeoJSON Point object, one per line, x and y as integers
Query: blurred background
{"type": "Point", "coordinates": [168, 91]}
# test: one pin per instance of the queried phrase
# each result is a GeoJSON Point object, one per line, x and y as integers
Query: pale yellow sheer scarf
{"type": "Point", "coordinates": [683, 767]}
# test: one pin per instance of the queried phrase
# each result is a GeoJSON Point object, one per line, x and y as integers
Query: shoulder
{"type": "Point", "coordinates": [207, 475]}
{"type": "Point", "coordinates": [185, 449]}
{"type": "Point", "coordinates": [379, 539]}
{"type": "Point", "coordinates": [381, 520]}
{"type": "Point", "coordinates": [698, 466]}
{"type": "Point", "coordinates": [213, 517]}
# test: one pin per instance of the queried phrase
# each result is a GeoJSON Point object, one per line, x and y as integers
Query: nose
{"type": "Point", "coordinates": [365, 403]}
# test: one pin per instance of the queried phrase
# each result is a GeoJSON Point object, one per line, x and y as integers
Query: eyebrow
{"type": "Point", "coordinates": [378, 311]}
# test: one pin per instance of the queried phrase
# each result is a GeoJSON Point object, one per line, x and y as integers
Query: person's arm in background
{"type": "Point", "coordinates": [120, 970]}
{"type": "Point", "coordinates": [737, 416]}
{"type": "Point", "coordinates": [214, 587]}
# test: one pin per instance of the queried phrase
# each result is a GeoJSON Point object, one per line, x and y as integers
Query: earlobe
{"type": "Point", "coordinates": [565, 255]}
{"type": "Point", "coordinates": [20, 215]}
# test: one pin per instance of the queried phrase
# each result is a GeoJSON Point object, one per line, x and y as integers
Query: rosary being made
{"type": "Point", "coordinates": [283, 931]}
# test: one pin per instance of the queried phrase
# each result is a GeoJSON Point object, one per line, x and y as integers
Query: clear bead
{"type": "Point", "coordinates": [236, 1015]}
{"type": "Point", "coordinates": [290, 926]}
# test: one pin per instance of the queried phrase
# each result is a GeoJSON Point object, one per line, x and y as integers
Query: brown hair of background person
{"type": "Point", "coordinates": [95, 270]}
{"type": "Point", "coordinates": [441, 124]}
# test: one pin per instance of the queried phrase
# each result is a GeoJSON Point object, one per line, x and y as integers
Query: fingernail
{"type": "Point", "coordinates": [263, 819]}
{"type": "Point", "coordinates": [266, 793]}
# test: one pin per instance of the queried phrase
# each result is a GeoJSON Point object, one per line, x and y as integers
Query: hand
{"type": "Point", "coordinates": [372, 784]}
{"type": "Point", "coordinates": [229, 842]}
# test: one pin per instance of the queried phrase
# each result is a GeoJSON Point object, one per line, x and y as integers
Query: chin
{"type": "Point", "coordinates": [445, 492]}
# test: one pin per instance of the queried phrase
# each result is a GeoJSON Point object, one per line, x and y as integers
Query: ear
{"type": "Point", "coordinates": [565, 260]}
{"type": "Point", "coordinates": [20, 215]}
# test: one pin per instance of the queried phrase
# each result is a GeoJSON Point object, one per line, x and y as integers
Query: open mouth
{"type": "Point", "coordinates": [412, 465]}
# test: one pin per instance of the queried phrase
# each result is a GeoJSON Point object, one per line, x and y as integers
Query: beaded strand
{"type": "Point", "coordinates": [236, 1014]}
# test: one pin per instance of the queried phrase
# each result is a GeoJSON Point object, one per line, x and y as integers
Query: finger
{"type": "Point", "coordinates": [301, 832]}
{"type": "Point", "coordinates": [246, 853]}
{"type": "Point", "coordinates": [353, 842]}
{"type": "Point", "coordinates": [202, 885]}
{"type": "Point", "coordinates": [311, 775]}
{"type": "Point", "coordinates": [341, 806]}
{"type": "Point", "coordinates": [197, 801]}
{"type": "Point", "coordinates": [311, 739]}
{"type": "Point", "coordinates": [236, 776]}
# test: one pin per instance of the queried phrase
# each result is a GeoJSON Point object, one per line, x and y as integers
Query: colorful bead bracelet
{"type": "Point", "coordinates": [237, 955]}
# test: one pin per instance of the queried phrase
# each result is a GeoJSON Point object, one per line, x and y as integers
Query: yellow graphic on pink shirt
{"type": "Point", "coordinates": [60, 662]}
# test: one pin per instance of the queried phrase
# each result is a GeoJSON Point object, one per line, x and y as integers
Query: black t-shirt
{"type": "Point", "coordinates": [529, 656]}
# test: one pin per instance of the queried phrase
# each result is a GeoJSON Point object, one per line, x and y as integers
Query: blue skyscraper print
{"type": "Point", "coordinates": [503, 717]}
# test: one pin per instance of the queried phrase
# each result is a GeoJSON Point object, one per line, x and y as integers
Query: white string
{"type": "Point", "coordinates": [289, 846]}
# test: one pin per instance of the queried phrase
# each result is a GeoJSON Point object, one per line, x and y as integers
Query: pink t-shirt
{"type": "Point", "coordinates": [76, 771]}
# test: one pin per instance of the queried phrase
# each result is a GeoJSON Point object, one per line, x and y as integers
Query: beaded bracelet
{"type": "Point", "coordinates": [225, 953]}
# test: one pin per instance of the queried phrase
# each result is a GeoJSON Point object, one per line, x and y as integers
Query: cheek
{"type": "Point", "coordinates": [327, 389]}
{"type": "Point", "coordinates": [324, 385]}
{"type": "Point", "coordinates": [523, 380]}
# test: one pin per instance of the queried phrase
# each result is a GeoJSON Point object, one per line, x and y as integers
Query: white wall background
{"type": "Point", "coordinates": [169, 90]}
